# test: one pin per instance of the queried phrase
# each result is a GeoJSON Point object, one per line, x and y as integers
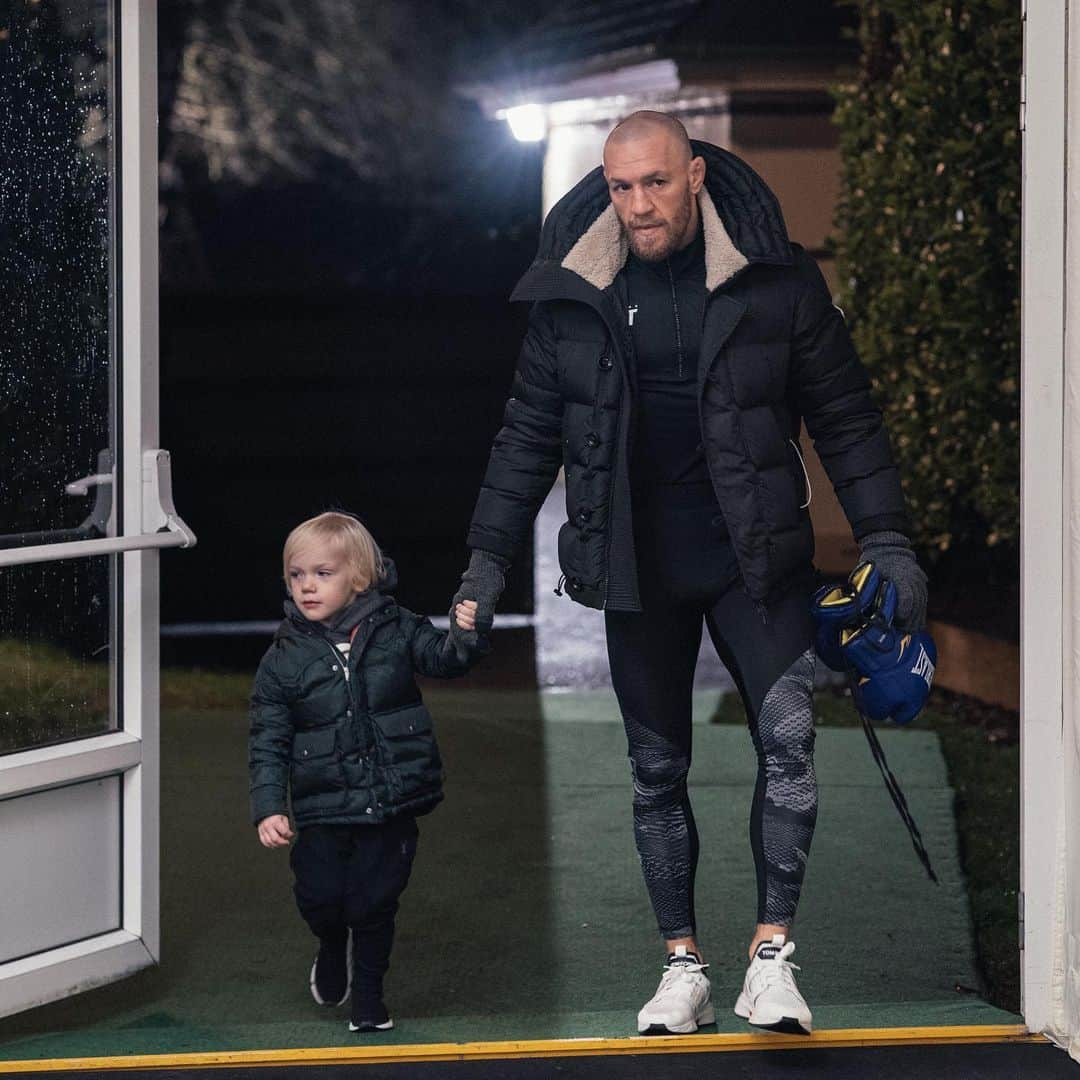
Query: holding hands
{"type": "Point", "coordinates": [481, 585]}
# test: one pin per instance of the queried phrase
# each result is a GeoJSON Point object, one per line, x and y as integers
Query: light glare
{"type": "Point", "coordinates": [527, 122]}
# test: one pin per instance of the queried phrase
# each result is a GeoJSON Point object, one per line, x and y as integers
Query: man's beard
{"type": "Point", "coordinates": [662, 246]}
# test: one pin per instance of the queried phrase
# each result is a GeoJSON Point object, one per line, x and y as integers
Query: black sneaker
{"type": "Point", "coordinates": [370, 1016]}
{"type": "Point", "coordinates": [331, 972]}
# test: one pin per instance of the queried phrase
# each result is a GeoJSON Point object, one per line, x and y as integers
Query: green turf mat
{"type": "Point", "coordinates": [526, 916]}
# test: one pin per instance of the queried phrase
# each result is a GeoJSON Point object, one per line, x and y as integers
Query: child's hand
{"type": "Point", "coordinates": [275, 831]}
{"type": "Point", "coordinates": [465, 614]}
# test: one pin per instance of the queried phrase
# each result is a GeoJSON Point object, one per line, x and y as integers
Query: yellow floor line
{"type": "Point", "coordinates": [538, 1048]}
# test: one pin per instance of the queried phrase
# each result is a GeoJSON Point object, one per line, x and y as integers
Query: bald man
{"type": "Point", "coordinates": [677, 341]}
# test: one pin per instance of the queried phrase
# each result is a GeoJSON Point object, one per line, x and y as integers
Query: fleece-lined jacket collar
{"type": "Point", "coordinates": [583, 245]}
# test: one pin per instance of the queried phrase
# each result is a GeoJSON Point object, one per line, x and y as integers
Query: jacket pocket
{"type": "Point", "coordinates": [405, 732]}
{"type": "Point", "coordinates": [316, 769]}
{"type": "Point", "coordinates": [410, 756]}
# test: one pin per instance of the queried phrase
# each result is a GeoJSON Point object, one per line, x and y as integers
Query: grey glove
{"type": "Point", "coordinates": [483, 582]}
{"type": "Point", "coordinates": [891, 553]}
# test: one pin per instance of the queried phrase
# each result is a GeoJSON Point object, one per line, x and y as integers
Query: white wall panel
{"type": "Point", "coordinates": [60, 854]}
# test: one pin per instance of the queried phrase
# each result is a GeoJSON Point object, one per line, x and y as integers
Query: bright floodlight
{"type": "Point", "coordinates": [526, 122]}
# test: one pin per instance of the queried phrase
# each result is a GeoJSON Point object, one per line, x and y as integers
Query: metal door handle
{"type": "Point", "coordinates": [162, 526]}
{"type": "Point", "coordinates": [83, 486]}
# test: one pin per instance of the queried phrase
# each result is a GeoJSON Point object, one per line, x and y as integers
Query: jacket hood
{"type": "Point", "coordinates": [741, 221]}
{"type": "Point", "coordinates": [372, 599]}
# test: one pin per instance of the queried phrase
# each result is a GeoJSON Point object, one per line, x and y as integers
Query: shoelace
{"type": "Point", "coordinates": [780, 968]}
{"type": "Point", "coordinates": [674, 972]}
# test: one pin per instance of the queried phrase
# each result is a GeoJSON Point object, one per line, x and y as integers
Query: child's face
{"type": "Point", "coordinates": [320, 581]}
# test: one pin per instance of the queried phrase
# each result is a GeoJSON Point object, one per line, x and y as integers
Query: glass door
{"type": "Point", "coordinates": [85, 499]}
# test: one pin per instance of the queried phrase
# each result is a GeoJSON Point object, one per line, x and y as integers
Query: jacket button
{"type": "Point", "coordinates": [591, 440]}
{"type": "Point", "coordinates": [369, 811]}
{"type": "Point", "coordinates": [348, 712]}
{"type": "Point", "coordinates": [606, 363]}
{"type": "Point", "coordinates": [577, 584]}
{"type": "Point", "coordinates": [333, 667]}
{"type": "Point", "coordinates": [583, 516]}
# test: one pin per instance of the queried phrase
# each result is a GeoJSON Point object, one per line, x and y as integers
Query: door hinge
{"type": "Point", "coordinates": [1020, 914]}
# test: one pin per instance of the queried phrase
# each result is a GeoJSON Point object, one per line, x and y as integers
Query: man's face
{"type": "Point", "coordinates": [320, 581]}
{"type": "Point", "coordinates": [653, 188]}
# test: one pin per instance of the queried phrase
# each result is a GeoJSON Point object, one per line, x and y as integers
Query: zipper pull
{"type": "Point", "coordinates": [558, 588]}
{"type": "Point", "coordinates": [630, 313]}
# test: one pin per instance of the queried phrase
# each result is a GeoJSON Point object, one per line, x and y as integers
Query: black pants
{"type": "Point", "coordinates": [349, 877]}
{"type": "Point", "coordinates": [689, 575]}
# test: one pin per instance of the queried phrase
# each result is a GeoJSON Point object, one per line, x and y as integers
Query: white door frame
{"type": "Point", "coordinates": [145, 523]}
{"type": "Point", "coordinates": [1045, 472]}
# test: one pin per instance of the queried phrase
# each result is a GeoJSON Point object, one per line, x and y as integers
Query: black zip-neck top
{"type": "Point", "coordinates": [666, 306]}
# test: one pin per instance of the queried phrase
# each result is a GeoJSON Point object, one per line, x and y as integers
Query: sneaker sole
{"type": "Point", "coordinates": [371, 1027]}
{"type": "Point", "coordinates": [708, 1016]}
{"type": "Point", "coordinates": [786, 1025]}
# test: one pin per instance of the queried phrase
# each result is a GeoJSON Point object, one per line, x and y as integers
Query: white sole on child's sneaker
{"type": "Point", "coordinates": [348, 976]}
{"type": "Point", "coordinates": [371, 1027]}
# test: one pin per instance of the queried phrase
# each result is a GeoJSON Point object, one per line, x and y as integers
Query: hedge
{"type": "Point", "coordinates": [928, 253]}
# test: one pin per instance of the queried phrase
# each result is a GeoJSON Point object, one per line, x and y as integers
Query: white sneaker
{"type": "Point", "coordinates": [770, 999]}
{"type": "Point", "coordinates": [683, 1000]}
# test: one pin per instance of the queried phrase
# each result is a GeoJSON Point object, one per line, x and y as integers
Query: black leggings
{"type": "Point", "coordinates": [688, 574]}
{"type": "Point", "coordinates": [349, 877]}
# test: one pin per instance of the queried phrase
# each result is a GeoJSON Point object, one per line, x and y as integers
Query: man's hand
{"type": "Point", "coordinates": [275, 831]}
{"type": "Point", "coordinates": [482, 583]}
{"type": "Point", "coordinates": [891, 553]}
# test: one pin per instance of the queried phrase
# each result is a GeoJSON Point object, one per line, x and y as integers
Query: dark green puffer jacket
{"type": "Point", "coordinates": [355, 751]}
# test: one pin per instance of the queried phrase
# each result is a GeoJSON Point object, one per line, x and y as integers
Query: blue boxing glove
{"type": "Point", "coordinates": [837, 608]}
{"type": "Point", "coordinates": [896, 670]}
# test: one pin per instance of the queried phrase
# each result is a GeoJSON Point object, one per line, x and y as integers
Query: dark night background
{"type": "Point", "coordinates": [340, 233]}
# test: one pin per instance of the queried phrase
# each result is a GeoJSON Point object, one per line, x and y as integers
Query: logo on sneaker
{"type": "Point", "coordinates": [768, 952]}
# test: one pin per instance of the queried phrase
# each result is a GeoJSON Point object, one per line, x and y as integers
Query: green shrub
{"type": "Point", "coordinates": [929, 254]}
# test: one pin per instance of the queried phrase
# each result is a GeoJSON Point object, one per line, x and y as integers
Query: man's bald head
{"type": "Point", "coordinates": [647, 124]}
{"type": "Point", "coordinates": [653, 180]}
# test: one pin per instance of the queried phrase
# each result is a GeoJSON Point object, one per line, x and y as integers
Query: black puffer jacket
{"type": "Point", "coordinates": [356, 750]}
{"type": "Point", "coordinates": [774, 352]}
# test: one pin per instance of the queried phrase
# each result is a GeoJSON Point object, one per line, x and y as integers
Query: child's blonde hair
{"type": "Point", "coordinates": [348, 536]}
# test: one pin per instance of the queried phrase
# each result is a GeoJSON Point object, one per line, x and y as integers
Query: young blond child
{"type": "Point", "coordinates": [337, 722]}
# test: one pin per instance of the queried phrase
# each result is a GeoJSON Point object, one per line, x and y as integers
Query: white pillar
{"type": "Point", "coordinates": [1067, 1003]}
{"type": "Point", "coordinates": [1045, 573]}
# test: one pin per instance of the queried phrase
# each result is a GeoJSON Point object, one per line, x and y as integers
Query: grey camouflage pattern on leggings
{"type": "Point", "coordinates": [781, 821]}
{"type": "Point", "coordinates": [788, 799]}
{"type": "Point", "coordinates": [664, 829]}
